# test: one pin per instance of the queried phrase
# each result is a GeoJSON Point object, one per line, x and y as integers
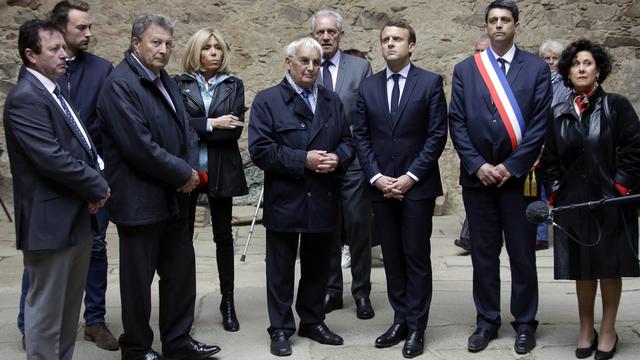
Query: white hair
{"type": "Point", "coordinates": [324, 13]}
{"type": "Point", "coordinates": [551, 46]}
{"type": "Point", "coordinates": [304, 43]}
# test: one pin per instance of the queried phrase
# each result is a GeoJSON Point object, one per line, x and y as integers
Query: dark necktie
{"type": "Point", "coordinates": [395, 94]}
{"type": "Point", "coordinates": [72, 121]}
{"type": "Point", "coordinates": [503, 65]}
{"type": "Point", "coordinates": [305, 95]}
{"type": "Point", "coordinates": [326, 75]}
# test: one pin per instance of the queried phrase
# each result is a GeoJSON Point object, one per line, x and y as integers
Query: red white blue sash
{"type": "Point", "coordinates": [501, 95]}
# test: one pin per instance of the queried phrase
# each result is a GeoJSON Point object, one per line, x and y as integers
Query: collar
{"type": "Point", "coordinates": [508, 56]}
{"type": "Point", "coordinates": [150, 73]}
{"type": "Point", "coordinates": [297, 88]}
{"type": "Point", "coordinates": [335, 59]}
{"type": "Point", "coordinates": [48, 84]}
{"type": "Point", "coordinates": [212, 82]}
{"type": "Point", "coordinates": [404, 72]}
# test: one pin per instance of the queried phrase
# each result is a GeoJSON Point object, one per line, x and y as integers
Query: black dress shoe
{"type": "Point", "coordinates": [525, 341]}
{"type": "Point", "coordinates": [280, 344]}
{"type": "Point", "coordinates": [364, 310]}
{"type": "Point", "coordinates": [332, 302]}
{"type": "Point", "coordinates": [228, 311]}
{"type": "Point", "coordinates": [583, 353]}
{"type": "Point", "coordinates": [480, 338]}
{"type": "Point", "coordinates": [190, 351]}
{"type": "Point", "coordinates": [464, 243]}
{"type": "Point", "coordinates": [604, 355]}
{"type": "Point", "coordinates": [414, 345]}
{"type": "Point", "coordinates": [393, 335]}
{"type": "Point", "coordinates": [320, 333]}
{"type": "Point", "coordinates": [152, 355]}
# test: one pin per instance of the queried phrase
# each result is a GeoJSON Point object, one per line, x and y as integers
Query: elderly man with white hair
{"type": "Point", "coordinates": [298, 136]}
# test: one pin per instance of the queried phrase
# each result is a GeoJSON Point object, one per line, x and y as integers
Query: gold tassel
{"type": "Point", "coordinates": [530, 184]}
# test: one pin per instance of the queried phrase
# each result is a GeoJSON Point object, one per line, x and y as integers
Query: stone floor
{"type": "Point", "coordinates": [451, 318]}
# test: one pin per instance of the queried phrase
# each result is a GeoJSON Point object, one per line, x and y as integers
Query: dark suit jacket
{"type": "Point", "coordinates": [281, 131]}
{"type": "Point", "coordinates": [477, 130]}
{"type": "Point", "coordinates": [149, 148]}
{"type": "Point", "coordinates": [412, 142]}
{"type": "Point", "coordinates": [54, 176]}
{"type": "Point", "coordinates": [224, 166]}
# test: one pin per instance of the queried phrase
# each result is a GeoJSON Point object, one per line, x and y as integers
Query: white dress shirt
{"type": "Point", "coordinates": [508, 57]}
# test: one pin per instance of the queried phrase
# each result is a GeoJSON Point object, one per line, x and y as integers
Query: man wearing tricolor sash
{"type": "Point", "coordinates": [499, 102]}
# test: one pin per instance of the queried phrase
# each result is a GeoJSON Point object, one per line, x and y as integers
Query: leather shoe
{"type": "Point", "coordinates": [393, 335]}
{"type": "Point", "coordinates": [100, 334]}
{"type": "Point", "coordinates": [583, 353]}
{"type": "Point", "coordinates": [414, 345]}
{"type": "Point", "coordinates": [228, 311]}
{"type": "Point", "coordinates": [525, 341]}
{"type": "Point", "coordinates": [364, 310]}
{"type": "Point", "coordinates": [190, 351]}
{"type": "Point", "coordinates": [320, 333]}
{"type": "Point", "coordinates": [152, 355]}
{"type": "Point", "coordinates": [480, 338]}
{"type": "Point", "coordinates": [463, 243]}
{"type": "Point", "coordinates": [280, 344]}
{"type": "Point", "coordinates": [604, 355]}
{"type": "Point", "coordinates": [332, 302]}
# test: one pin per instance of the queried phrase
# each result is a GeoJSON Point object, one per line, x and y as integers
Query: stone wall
{"type": "Point", "coordinates": [258, 31]}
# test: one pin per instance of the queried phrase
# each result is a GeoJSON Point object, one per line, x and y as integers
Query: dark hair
{"type": "Point", "coordinates": [403, 25]}
{"type": "Point", "coordinates": [60, 13]}
{"type": "Point", "coordinates": [600, 55]}
{"type": "Point", "coordinates": [29, 36]}
{"type": "Point", "coordinates": [355, 52]}
{"type": "Point", "coordinates": [503, 4]}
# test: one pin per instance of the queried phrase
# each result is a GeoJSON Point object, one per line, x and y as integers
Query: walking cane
{"type": "Point", "coordinates": [253, 223]}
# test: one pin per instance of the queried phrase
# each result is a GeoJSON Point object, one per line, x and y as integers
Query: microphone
{"type": "Point", "coordinates": [538, 212]}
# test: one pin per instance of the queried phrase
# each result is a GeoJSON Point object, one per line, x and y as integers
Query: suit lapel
{"type": "Point", "coordinates": [409, 85]}
{"type": "Point", "coordinates": [54, 104]}
{"type": "Point", "coordinates": [514, 68]}
{"type": "Point", "coordinates": [342, 71]}
{"type": "Point", "coordinates": [322, 115]}
{"type": "Point", "coordinates": [382, 94]}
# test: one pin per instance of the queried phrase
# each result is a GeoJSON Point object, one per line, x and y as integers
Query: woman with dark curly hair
{"type": "Point", "coordinates": [214, 99]}
{"type": "Point", "coordinates": [592, 151]}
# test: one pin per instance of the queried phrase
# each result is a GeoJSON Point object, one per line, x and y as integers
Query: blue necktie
{"type": "Point", "coordinates": [305, 95]}
{"type": "Point", "coordinates": [395, 94]}
{"type": "Point", "coordinates": [72, 122]}
{"type": "Point", "coordinates": [326, 75]}
{"type": "Point", "coordinates": [503, 65]}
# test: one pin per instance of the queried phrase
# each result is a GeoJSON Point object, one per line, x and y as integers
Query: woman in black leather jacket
{"type": "Point", "coordinates": [214, 99]}
{"type": "Point", "coordinates": [592, 151]}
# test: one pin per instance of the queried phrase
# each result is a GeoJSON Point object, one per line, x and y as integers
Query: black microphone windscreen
{"type": "Point", "coordinates": [537, 212]}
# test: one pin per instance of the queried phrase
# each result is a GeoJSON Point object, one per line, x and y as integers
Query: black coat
{"type": "Point", "coordinates": [582, 166]}
{"type": "Point", "coordinates": [281, 132]}
{"type": "Point", "coordinates": [225, 168]}
{"type": "Point", "coordinates": [149, 148]}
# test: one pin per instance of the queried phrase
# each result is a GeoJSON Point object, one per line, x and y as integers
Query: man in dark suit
{"type": "Point", "coordinates": [342, 73]}
{"type": "Point", "coordinates": [298, 136]}
{"type": "Point", "coordinates": [497, 147]}
{"type": "Point", "coordinates": [150, 154]}
{"type": "Point", "coordinates": [57, 187]}
{"type": "Point", "coordinates": [81, 83]}
{"type": "Point", "coordinates": [400, 132]}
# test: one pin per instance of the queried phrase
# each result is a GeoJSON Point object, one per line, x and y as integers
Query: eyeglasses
{"type": "Point", "coordinates": [306, 61]}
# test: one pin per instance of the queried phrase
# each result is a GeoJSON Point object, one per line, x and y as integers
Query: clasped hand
{"type": "Point", "coordinates": [489, 174]}
{"type": "Point", "coordinates": [229, 121]}
{"type": "Point", "coordinates": [191, 184]}
{"type": "Point", "coordinates": [321, 161]}
{"type": "Point", "coordinates": [94, 207]}
{"type": "Point", "coordinates": [394, 187]}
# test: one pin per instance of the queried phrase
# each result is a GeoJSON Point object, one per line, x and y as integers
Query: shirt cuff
{"type": "Point", "coordinates": [100, 163]}
{"type": "Point", "coordinates": [409, 174]}
{"type": "Point", "coordinates": [374, 178]}
{"type": "Point", "coordinates": [209, 126]}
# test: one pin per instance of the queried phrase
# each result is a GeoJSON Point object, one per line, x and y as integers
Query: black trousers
{"type": "Point", "coordinates": [355, 231]}
{"type": "Point", "coordinates": [164, 247]}
{"type": "Point", "coordinates": [405, 230]}
{"type": "Point", "coordinates": [221, 212]}
{"type": "Point", "coordinates": [314, 267]}
{"type": "Point", "coordinates": [492, 211]}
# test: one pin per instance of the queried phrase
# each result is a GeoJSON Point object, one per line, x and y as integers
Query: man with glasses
{"type": "Point", "coordinates": [298, 136]}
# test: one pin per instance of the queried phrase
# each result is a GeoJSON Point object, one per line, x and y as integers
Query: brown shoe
{"type": "Point", "coordinates": [101, 335]}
